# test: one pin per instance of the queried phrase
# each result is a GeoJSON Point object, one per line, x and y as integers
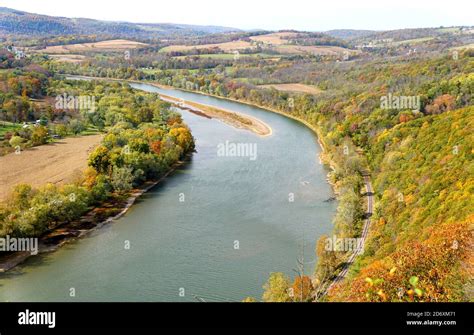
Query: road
{"type": "Point", "coordinates": [365, 232]}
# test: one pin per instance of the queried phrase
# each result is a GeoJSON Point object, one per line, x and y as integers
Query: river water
{"type": "Point", "coordinates": [215, 229]}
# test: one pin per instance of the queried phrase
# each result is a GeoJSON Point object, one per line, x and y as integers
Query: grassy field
{"type": "Point", "coordinates": [231, 56]}
{"type": "Point", "coordinates": [449, 30]}
{"type": "Point", "coordinates": [111, 45]}
{"type": "Point", "coordinates": [294, 88]}
{"type": "Point", "coordinates": [274, 38]}
{"type": "Point", "coordinates": [313, 50]}
{"type": "Point", "coordinates": [226, 47]}
{"type": "Point", "coordinates": [413, 41]}
{"type": "Point", "coordinates": [90, 131]}
{"type": "Point", "coordinates": [69, 58]}
{"type": "Point", "coordinates": [276, 41]}
{"type": "Point", "coordinates": [154, 71]}
{"type": "Point", "coordinates": [8, 127]}
{"type": "Point", "coordinates": [281, 44]}
{"type": "Point", "coordinates": [462, 47]}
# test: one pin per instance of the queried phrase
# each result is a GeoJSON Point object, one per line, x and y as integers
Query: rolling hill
{"type": "Point", "coordinates": [27, 24]}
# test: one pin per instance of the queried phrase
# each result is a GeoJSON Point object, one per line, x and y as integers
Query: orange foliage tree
{"type": "Point", "coordinates": [302, 289]}
{"type": "Point", "coordinates": [419, 271]}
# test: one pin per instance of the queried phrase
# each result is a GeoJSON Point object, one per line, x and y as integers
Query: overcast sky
{"type": "Point", "coordinates": [312, 15]}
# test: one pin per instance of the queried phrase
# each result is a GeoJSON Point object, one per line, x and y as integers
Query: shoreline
{"type": "Point", "coordinates": [306, 123]}
{"type": "Point", "coordinates": [72, 231]}
{"type": "Point", "coordinates": [320, 139]}
{"type": "Point", "coordinates": [323, 158]}
{"type": "Point", "coordinates": [234, 119]}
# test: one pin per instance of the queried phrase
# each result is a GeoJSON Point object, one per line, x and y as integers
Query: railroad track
{"type": "Point", "coordinates": [365, 232]}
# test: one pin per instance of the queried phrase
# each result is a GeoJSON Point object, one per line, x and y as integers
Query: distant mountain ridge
{"type": "Point", "coordinates": [22, 23]}
{"type": "Point", "coordinates": [348, 34]}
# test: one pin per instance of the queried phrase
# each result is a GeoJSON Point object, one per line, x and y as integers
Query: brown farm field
{"type": "Point", "coordinates": [226, 47]}
{"type": "Point", "coordinates": [314, 50]}
{"type": "Point", "coordinates": [276, 41]}
{"type": "Point", "coordinates": [294, 88]}
{"type": "Point", "coordinates": [280, 43]}
{"type": "Point", "coordinates": [111, 45]}
{"type": "Point", "coordinates": [68, 58]}
{"type": "Point", "coordinates": [462, 47]}
{"type": "Point", "coordinates": [273, 38]}
{"type": "Point", "coordinates": [55, 163]}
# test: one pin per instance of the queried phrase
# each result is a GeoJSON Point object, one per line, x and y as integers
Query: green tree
{"type": "Point", "coordinates": [122, 179]}
{"type": "Point", "coordinates": [15, 141]}
{"type": "Point", "coordinates": [99, 159]}
{"type": "Point", "coordinates": [20, 196]}
{"type": "Point", "coordinates": [39, 135]}
{"type": "Point", "coordinates": [277, 288]}
{"type": "Point", "coordinates": [302, 289]}
{"type": "Point", "coordinates": [76, 126]}
{"type": "Point", "coordinates": [249, 299]}
{"type": "Point", "coordinates": [61, 130]}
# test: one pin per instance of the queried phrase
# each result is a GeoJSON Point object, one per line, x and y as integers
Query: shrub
{"type": "Point", "coordinates": [39, 135]}
{"type": "Point", "coordinates": [16, 141]}
{"type": "Point", "coordinates": [277, 288]}
{"type": "Point", "coordinates": [122, 179]}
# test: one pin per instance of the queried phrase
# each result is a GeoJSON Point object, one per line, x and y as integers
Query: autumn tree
{"type": "Point", "coordinates": [15, 141]}
{"type": "Point", "coordinates": [441, 104]}
{"type": "Point", "coordinates": [39, 135]}
{"type": "Point", "coordinates": [277, 288]}
{"type": "Point", "coordinates": [155, 146]}
{"type": "Point", "coordinates": [302, 289]}
{"type": "Point", "coordinates": [99, 159]}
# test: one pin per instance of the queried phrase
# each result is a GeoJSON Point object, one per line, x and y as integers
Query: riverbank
{"type": "Point", "coordinates": [108, 212]}
{"type": "Point", "coordinates": [248, 103]}
{"type": "Point", "coordinates": [324, 157]}
{"type": "Point", "coordinates": [236, 120]}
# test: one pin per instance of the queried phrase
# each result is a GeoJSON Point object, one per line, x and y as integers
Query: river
{"type": "Point", "coordinates": [214, 229]}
